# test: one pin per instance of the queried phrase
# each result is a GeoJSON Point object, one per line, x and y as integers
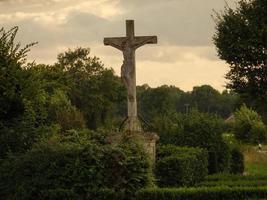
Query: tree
{"type": "Point", "coordinates": [248, 126]}
{"type": "Point", "coordinates": [94, 89]}
{"type": "Point", "coordinates": [12, 59]}
{"type": "Point", "coordinates": [241, 40]}
{"type": "Point", "coordinates": [206, 99]}
{"type": "Point", "coordinates": [65, 114]}
{"type": "Point", "coordinates": [205, 130]}
{"type": "Point", "coordinates": [17, 118]}
{"type": "Point", "coordinates": [158, 101]}
{"type": "Point", "coordinates": [209, 100]}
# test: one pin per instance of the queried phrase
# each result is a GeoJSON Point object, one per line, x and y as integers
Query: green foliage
{"type": "Point", "coordinates": [167, 100]}
{"type": "Point", "coordinates": [12, 58]}
{"type": "Point", "coordinates": [93, 88]}
{"type": "Point", "coordinates": [259, 169]}
{"type": "Point", "coordinates": [63, 113]}
{"type": "Point", "coordinates": [168, 127]}
{"type": "Point", "coordinates": [197, 129]}
{"type": "Point", "coordinates": [180, 166]}
{"type": "Point", "coordinates": [239, 183]}
{"type": "Point", "coordinates": [158, 101]}
{"type": "Point", "coordinates": [205, 131]}
{"type": "Point", "coordinates": [207, 99]}
{"type": "Point", "coordinates": [17, 117]}
{"type": "Point", "coordinates": [75, 166]}
{"type": "Point", "coordinates": [203, 193]}
{"type": "Point", "coordinates": [248, 126]}
{"type": "Point", "coordinates": [234, 180]}
{"type": "Point", "coordinates": [237, 165]}
{"type": "Point", "coordinates": [240, 39]}
{"type": "Point", "coordinates": [234, 177]}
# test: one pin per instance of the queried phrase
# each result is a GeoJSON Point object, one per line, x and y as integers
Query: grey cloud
{"type": "Point", "coordinates": [180, 22]}
{"type": "Point", "coordinates": [34, 6]}
{"type": "Point", "coordinates": [184, 29]}
{"type": "Point", "coordinates": [79, 28]}
{"type": "Point", "coordinates": [175, 22]}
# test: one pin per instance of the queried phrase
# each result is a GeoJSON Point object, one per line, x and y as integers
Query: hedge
{"type": "Point", "coordinates": [234, 177]}
{"type": "Point", "coordinates": [239, 183]}
{"type": "Point", "coordinates": [100, 194]}
{"type": "Point", "coordinates": [204, 193]}
{"type": "Point", "coordinates": [204, 130]}
{"type": "Point", "coordinates": [237, 165]}
{"type": "Point", "coordinates": [180, 166]}
{"type": "Point", "coordinates": [71, 170]}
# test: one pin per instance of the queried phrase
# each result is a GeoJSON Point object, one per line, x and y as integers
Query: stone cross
{"type": "Point", "coordinates": [128, 45]}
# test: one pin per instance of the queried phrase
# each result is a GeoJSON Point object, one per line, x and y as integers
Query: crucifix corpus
{"type": "Point", "coordinates": [128, 45]}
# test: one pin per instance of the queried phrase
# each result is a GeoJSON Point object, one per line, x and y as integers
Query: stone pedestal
{"type": "Point", "coordinates": [150, 139]}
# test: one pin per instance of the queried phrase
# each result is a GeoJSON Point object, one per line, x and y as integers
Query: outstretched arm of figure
{"type": "Point", "coordinates": [116, 42]}
{"type": "Point", "coordinates": [142, 40]}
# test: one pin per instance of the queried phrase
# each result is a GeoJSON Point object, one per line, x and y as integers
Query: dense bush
{"type": "Point", "coordinates": [204, 193]}
{"type": "Point", "coordinates": [249, 127]}
{"type": "Point", "coordinates": [180, 166]}
{"type": "Point", "coordinates": [205, 131]}
{"type": "Point", "coordinates": [237, 161]}
{"type": "Point", "coordinates": [63, 113]}
{"type": "Point", "coordinates": [75, 166]}
{"type": "Point", "coordinates": [219, 158]}
{"type": "Point", "coordinates": [197, 129]}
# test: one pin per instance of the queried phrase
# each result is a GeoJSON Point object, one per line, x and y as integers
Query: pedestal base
{"type": "Point", "coordinates": [131, 125]}
{"type": "Point", "coordinates": [150, 140]}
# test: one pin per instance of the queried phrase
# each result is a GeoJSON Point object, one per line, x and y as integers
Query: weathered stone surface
{"type": "Point", "coordinates": [150, 140]}
{"type": "Point", "coordinates": [128, 45]}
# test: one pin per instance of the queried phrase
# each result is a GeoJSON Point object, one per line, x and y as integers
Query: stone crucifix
{"type": "Point", "coordinates": [128, 45]}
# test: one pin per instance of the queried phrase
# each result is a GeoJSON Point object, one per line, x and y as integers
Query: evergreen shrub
{"type": "Point", "coordinates": [72, 167]}
{"type": "Point", "coordinates": [204, 130]}
{"type": "Point", "coordinates": [237, 161]}
{"type": "Point", "coordinates": [180, 166]}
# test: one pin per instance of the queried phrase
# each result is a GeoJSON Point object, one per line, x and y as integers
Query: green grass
{"type": "Point", "coordinates": [258, 169]}
{"type": "Point", "coordinates": [255, 161]}
{"type": "Point", "coordinates": [255, 171]}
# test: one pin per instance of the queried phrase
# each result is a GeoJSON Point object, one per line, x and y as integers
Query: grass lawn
{"type": "Point", "coordinates": [255, 161]}
{"type": "Point", "coordinates": [256, 169]}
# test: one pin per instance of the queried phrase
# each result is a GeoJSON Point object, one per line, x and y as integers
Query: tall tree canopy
{"type": "Point", "coordinates": [12, 58]}
{"type": "Point", "coordinates": [93, 89]}
{"type": "Point", "coordinates": [241, 40]}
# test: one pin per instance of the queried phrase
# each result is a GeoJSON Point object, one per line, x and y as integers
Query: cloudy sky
{"type": "Point", "coordinates": [184, 56]}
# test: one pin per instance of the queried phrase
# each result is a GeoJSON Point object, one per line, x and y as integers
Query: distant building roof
{"type": "Point", "coordinates": [230, 119]}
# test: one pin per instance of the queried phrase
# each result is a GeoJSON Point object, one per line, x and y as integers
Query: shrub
{"type": "Point", "coordinates": [62, 112]}
{"type": "Point", "coordinates": [205, 130]}
{"type": "Point", "coordinates": [248, 126]}
{"type": "Point", "coordinates": [237, 161]}
{"type": "Point", "coordinates": [196, 129]}
{"type": "Point", "coordinates": [74, 167]}
{"type": "Point", "coordinates": [219, 158]}
{"type": "Point", "coordinates": [180, 166]}
{"type": "Point", "coordinates": [203, 193]}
